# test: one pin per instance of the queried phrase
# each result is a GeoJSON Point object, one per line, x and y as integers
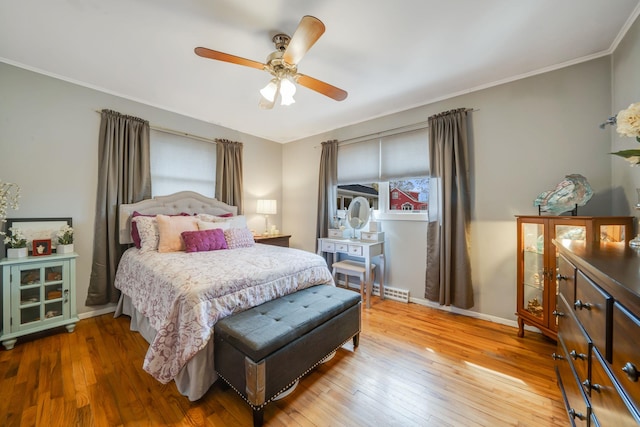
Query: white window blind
{"type": "Point", "coordinates": [404, 155]}
{"type": "Point", "coordinates": [401, 155]}
{"type": "Point", "coordinates": [181, 163]}
{"type": "Point", "coordinates": [358, 162]}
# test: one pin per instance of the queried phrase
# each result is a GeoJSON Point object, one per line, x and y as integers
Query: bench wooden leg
{"type": "Point", "coordinates": [258, 417]}
{"type": "Point", "coordinates": [356, 340]}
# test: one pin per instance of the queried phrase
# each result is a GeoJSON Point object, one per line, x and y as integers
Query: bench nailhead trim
{"type": "Point", "coordinates": [288, 385]}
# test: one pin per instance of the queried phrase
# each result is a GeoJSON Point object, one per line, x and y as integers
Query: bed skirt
{"type": "Point", "coordinates": [197, 376]}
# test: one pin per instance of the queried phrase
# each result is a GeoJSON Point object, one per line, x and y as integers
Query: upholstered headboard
{"type": "Point", "coordinates": [184, 201]}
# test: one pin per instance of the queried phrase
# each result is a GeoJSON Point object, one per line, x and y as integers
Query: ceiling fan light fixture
{"type": "Point", "coordinates": [270, 91]}
{"type": "Point", "coordinates": [287, 90]}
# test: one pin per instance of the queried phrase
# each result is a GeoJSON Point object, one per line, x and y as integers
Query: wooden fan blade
{"type": "Point", "coordinates": [321, 87]}
{"type": "Point", "coordinates": [308, 32]}
{"type": "Point", "coordinates": [221, 56]}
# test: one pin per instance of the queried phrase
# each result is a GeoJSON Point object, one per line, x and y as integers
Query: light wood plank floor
{"type": "Point", "coordinates": [415, 366]}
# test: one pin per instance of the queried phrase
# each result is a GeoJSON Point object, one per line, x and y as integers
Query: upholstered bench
{"type": "Point", "coordinates": [263, 351]}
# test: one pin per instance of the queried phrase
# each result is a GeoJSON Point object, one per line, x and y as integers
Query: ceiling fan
{"type": "Point", "coordinates": [283, 64]}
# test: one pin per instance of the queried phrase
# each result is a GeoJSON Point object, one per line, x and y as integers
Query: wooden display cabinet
{"type": "Point", "coordinates": [537, 261]}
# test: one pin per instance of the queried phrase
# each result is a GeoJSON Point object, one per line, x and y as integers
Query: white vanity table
{"type": "Point", "coordinates": [364, 250]}
{"type": "Point", "coordinates": [369, 245]}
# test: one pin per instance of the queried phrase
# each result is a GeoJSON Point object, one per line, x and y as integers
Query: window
{"type": "Point", "coordinates": [181, 163]}
{"type": "Point", "coordinates": [391, 171]}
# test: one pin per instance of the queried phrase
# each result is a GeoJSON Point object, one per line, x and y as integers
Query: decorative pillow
{"type": "Point", "coordinates": [204, 240]}
{"type": "Point", "coordinates": [147, 232]}
{"type": "Point", "coordinates": [170, 229]}
{"type": "Point", "coordinates": [238, 238]}
{"type": "Point", "coordinates": [206, 225]}
{"type": "Point", "coordinates": [135, 235]}
{"type": "Point", "coordinates": [238, 221]}
{"type": "Point", "coordinates": [214, 218]}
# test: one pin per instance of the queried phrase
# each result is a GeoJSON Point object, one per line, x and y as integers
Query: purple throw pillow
{"type": "Point", "coordinates": [204, 240]}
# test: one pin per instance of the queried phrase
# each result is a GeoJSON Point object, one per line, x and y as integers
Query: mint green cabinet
{"type": "Point", "coordinates": [38, 293]}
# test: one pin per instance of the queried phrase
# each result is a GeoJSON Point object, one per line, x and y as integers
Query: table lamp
{"type": "Point", "coordinates": [266, 208]}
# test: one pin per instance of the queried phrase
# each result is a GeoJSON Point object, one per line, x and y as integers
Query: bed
{"type": "Point", "coordinates": [175, 297]}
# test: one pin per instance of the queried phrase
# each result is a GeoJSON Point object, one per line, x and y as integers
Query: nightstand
{"type": "Point", "coordinates": [277, 240]}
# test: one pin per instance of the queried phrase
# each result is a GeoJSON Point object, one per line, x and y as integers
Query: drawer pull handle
{"type": "Point", "coordinates": [574, 414]}
{"type": "Point", "coordinates": [588, 386]}
{"type": "Point", "coordinates": [579, 305]}
{"type": "Point", "coordinates": [561, 277]}
{"type": "Point", "coordinates": [558, 313]}
{"type": "Point", "coordinates": [577, 356]}
{"type": "Point", "coordinates": [556, 356]}
{"type": "Point", "coordinates": [631, 371]}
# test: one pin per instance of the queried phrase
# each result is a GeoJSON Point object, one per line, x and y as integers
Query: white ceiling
{"type": "Point", "coordinates": [389, 55]}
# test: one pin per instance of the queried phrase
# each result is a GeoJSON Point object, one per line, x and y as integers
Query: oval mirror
{"type": "Point", "coordinates": [358, 213]}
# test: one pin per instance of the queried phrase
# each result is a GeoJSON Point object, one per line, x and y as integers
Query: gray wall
{"type": "Point", "coordinates": [527, 135]}
{"type": "Point", "coordinates": [625, 91]}
{"type": "Point", "coordinates": [49, 146]}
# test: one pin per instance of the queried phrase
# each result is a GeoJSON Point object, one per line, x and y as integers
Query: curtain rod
{"type": "Point", "coordinates": [176, 132]}
{"type": "Point", "coordinates": [390, 132]}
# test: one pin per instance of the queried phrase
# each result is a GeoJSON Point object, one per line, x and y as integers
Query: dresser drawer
{"type": "Point", "coordinates": [372, 236]}
{"type": "Point", "coordinates": [355, 250]}
{"type": "Point", "coordinates": [593, 309]}
{"type": "Point", "coordinates": [607, 404]}
{"type": "Point", "coordinates": [335, 233]}
{"type": "Point", "coordinates": [328, 246]}
{"type": "Point", "coordinates": [566, 277]}
{"type": "Point", "coordinates": [626, 352]}
{"type": "Point", "coordinates": [575, 342]}
{"type": "Point", "coordinates": [574, 398]}
{"type": "Point", "coordinates": [342, 248]}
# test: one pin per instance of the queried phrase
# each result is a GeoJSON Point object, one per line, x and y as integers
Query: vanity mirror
{"type": "Point", "coordinates": [358, 214]}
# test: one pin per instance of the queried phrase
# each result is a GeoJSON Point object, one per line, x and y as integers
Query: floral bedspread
{"type": "Point", "coordinates": [185, 294]}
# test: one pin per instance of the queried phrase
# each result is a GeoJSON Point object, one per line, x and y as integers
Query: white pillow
{"type": "Point", "coordinates": [207, 225]}
{"type": "Point", "coordinates": [238, 221]}
{"type": "Point", "coordinates": [212, 218]}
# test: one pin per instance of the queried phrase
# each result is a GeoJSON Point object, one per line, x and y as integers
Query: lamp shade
{"type": "Point", "coordinates": [267, 207]}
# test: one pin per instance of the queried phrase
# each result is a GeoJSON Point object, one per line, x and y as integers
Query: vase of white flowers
{"type": "Point", "coordinates": [65, 240]}
{"type": "Point", "coordinates": [16, 243]}
{"type": "Point", "coordinates": [627, 123]}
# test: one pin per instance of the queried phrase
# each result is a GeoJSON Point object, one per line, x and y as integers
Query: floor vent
{"type": "Point", "coordinates": [395, 294]}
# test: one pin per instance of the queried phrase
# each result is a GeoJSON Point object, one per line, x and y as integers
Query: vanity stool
{"type": "Point", "coordinates": [354, 268]}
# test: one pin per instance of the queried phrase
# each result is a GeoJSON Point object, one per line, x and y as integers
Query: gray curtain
{"type": "Point", "coordinates": [327, 190]}
{"type": "Point", "coordinates": [124, 176]}
{"type": "Point", "coordinates": [448, 278]}
{"type": "Point", "coordinates": [229, 173]}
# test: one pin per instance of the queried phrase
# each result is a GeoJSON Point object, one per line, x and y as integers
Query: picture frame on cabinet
{"type": "Point", "coordinates": [38, 229]}
{"type": "Point", "coordinates": [41, 247]}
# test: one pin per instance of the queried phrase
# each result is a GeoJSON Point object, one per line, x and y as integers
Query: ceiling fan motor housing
{"type": "Point", "coordinates": [281, 41]}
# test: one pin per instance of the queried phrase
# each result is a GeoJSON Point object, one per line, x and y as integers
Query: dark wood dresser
{"type": "Point", "coordinates": [598, 353]}
{"type": "Point", "coordinates": [277, 240]}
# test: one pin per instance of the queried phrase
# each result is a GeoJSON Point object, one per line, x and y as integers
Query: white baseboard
{"type": "Point", "coordinates": [474, 314]}
{"type": "Point", "coordinates": [98, 312]}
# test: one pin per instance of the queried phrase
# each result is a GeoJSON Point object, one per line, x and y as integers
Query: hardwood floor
{"type": "Point", "coordinates": [415, 366]}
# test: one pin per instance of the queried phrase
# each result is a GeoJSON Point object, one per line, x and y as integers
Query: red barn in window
{"type": "Point", "coordinates": [405, 201]}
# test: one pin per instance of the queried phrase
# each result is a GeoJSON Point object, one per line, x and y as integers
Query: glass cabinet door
{"type": "Point", "coordinates": [563, 232]}
{"type": "Point", "coordinates": [41, 293]}
{"type": "Point", "coordinates": [533, 277]}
